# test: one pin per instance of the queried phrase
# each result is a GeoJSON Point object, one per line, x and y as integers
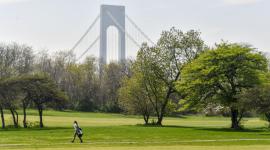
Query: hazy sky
{"type": "Point", "coordinates": [58, 24]}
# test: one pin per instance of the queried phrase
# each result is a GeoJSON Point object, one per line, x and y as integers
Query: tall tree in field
{"type": "Point", "coordinates": [133, 97]}
{"type": "Point", "coordinates": [162, 65]}
{"type": "Point", "coordinates": [15, 60]}
{"type": "Point", "coordinates": [42, 90]}
{"type": "Point", "coordinates": [8, 95]}
{"type": "Point", "coordinates": [220, 74]}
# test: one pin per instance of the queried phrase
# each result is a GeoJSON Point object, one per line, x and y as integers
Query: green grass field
{"type": "Point", "coordinates": [120, 132]}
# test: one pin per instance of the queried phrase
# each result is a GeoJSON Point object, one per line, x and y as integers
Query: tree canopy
{"type": "Point", "coordinates": [160, 67]}
{"type": "Point", "coordinates": [220, 74]}
{"type": "Point", "coordinates": [27, 89]}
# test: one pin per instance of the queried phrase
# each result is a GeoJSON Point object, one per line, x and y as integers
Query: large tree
{"type": "Point", "coordinates": [42, 90]}
{"type": "Point", "coordinates": [133, 97]}
{"type": "Point", "coordinates": [161, 65]}
{"type": "Point", "coordinates": [219, 75]}
{"type": "Point", "coordinates": [37, 89]}
{"type": "Point", "coordinates": [9, 100]}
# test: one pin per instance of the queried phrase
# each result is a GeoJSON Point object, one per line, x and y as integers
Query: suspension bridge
{"type": "Point", "coordinates": [117, 33]}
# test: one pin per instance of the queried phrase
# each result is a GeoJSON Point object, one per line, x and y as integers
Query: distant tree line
{"type": "Point", "coordinates": [21, 86]}
{"type": "Point", "coordinates": [41, 80]}
{"type": "Point", "coordinates": [179, 74]}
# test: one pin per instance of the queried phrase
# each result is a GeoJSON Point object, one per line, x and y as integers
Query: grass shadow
{"type": "Point", "coordinates": [232, 130]}
{"type": "Point", "coordinates": [35, 129]}
{"type": "Point", "coordinates": [209, 128]}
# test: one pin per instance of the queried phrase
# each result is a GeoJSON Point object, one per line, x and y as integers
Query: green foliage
{"type": "Point", "coordinates": [34, 124]}
{"type": "Point", "coordinates": [133, 97]}
{"type": "Point", "coordinates": [258, 98]}
{"type": "Point", "coordinates": [25, 89]}
{"type": "Point", "coordinates": [220, 74]}
{"type": "Point", "coordinates": [161, 66]}
{"type": "Point", "coordinates": [113, 74]}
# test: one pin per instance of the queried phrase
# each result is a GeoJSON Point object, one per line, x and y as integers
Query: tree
{"type": "Point", "coordinates": [25, 89]}
{"type": "Point", "coordinates": [258, 98]}
{"type": "Point", "coordinates": [2, 117]}
{"type": "Point", "coordinates": [41, 90]}
{"type": "Point", "coordinates": [133, 97]}
{"type": "Point", "coordinates": [15, 60]}
{"type": "Point", "coordinates": [2, 109]}
{"type": "Point", "coordinates": [113, 74]}
{"type": "Point", "coordinates": [10, 98]}
{"type": "Point", "coordinates": [220, 74]}
{"type": "Point", "coordinates": [88, 85]}
{"type": "Point", "coordinates": [162, 65]}
{"type": "Point", "coordinates": [79, 80]}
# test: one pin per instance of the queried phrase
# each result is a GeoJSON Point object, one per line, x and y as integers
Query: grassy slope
{"type": "Point", "coordinates": [114, 131]}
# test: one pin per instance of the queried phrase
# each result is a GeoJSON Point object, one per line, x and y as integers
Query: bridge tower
{"type": "Point", "coordinates": [111, 15]}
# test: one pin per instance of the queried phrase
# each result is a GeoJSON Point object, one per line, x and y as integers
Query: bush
{"type": "Point", "coordinates": [34, 124]}
{"type": "Point", "coordinates": [266, 117]}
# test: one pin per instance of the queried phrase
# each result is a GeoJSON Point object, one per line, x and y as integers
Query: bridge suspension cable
{"type": "Point", "coordinates": [85, 33]}
{"type": "Point", "coordinates": [120, 27]}
{"type": "Point", "coordinates": [89, 47]}
{"type": "Point", "coordinates": [123, 30]}
{"type": "Point", "coordinates": [139, 29]}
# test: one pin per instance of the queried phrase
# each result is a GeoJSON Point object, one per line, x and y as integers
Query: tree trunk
{"type": "Point", "coordinates": [267, 115]}
{"type": "Point", "coordinates": [163, 109]}
{"type": "Point", "coordinates": [40, 111]}
{"type": "Point", "coordinates": [160, 118]}
{"type": "Point", "coordinates": [146, 118]}
{"type": "Point", "coordinates": [14, 118]}
{"type": "Point", "coordinates": [234, 118]}
{"type": "Point", "coordinates": [2, 118]}
{"type": "Point", "coordinates": [17, 117]}
{"type": "Point", "coordinates": [24, 116]}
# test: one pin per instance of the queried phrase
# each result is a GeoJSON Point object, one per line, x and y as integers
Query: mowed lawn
{"type": "Point", "coordinates": [120, 132]}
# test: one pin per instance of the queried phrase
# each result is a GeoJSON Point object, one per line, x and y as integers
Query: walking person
{"type": "Point", "coordinates": [78, 132]}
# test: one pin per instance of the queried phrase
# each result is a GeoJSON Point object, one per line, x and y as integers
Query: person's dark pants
{"type": "Point", "coordinates": [79, 136]}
